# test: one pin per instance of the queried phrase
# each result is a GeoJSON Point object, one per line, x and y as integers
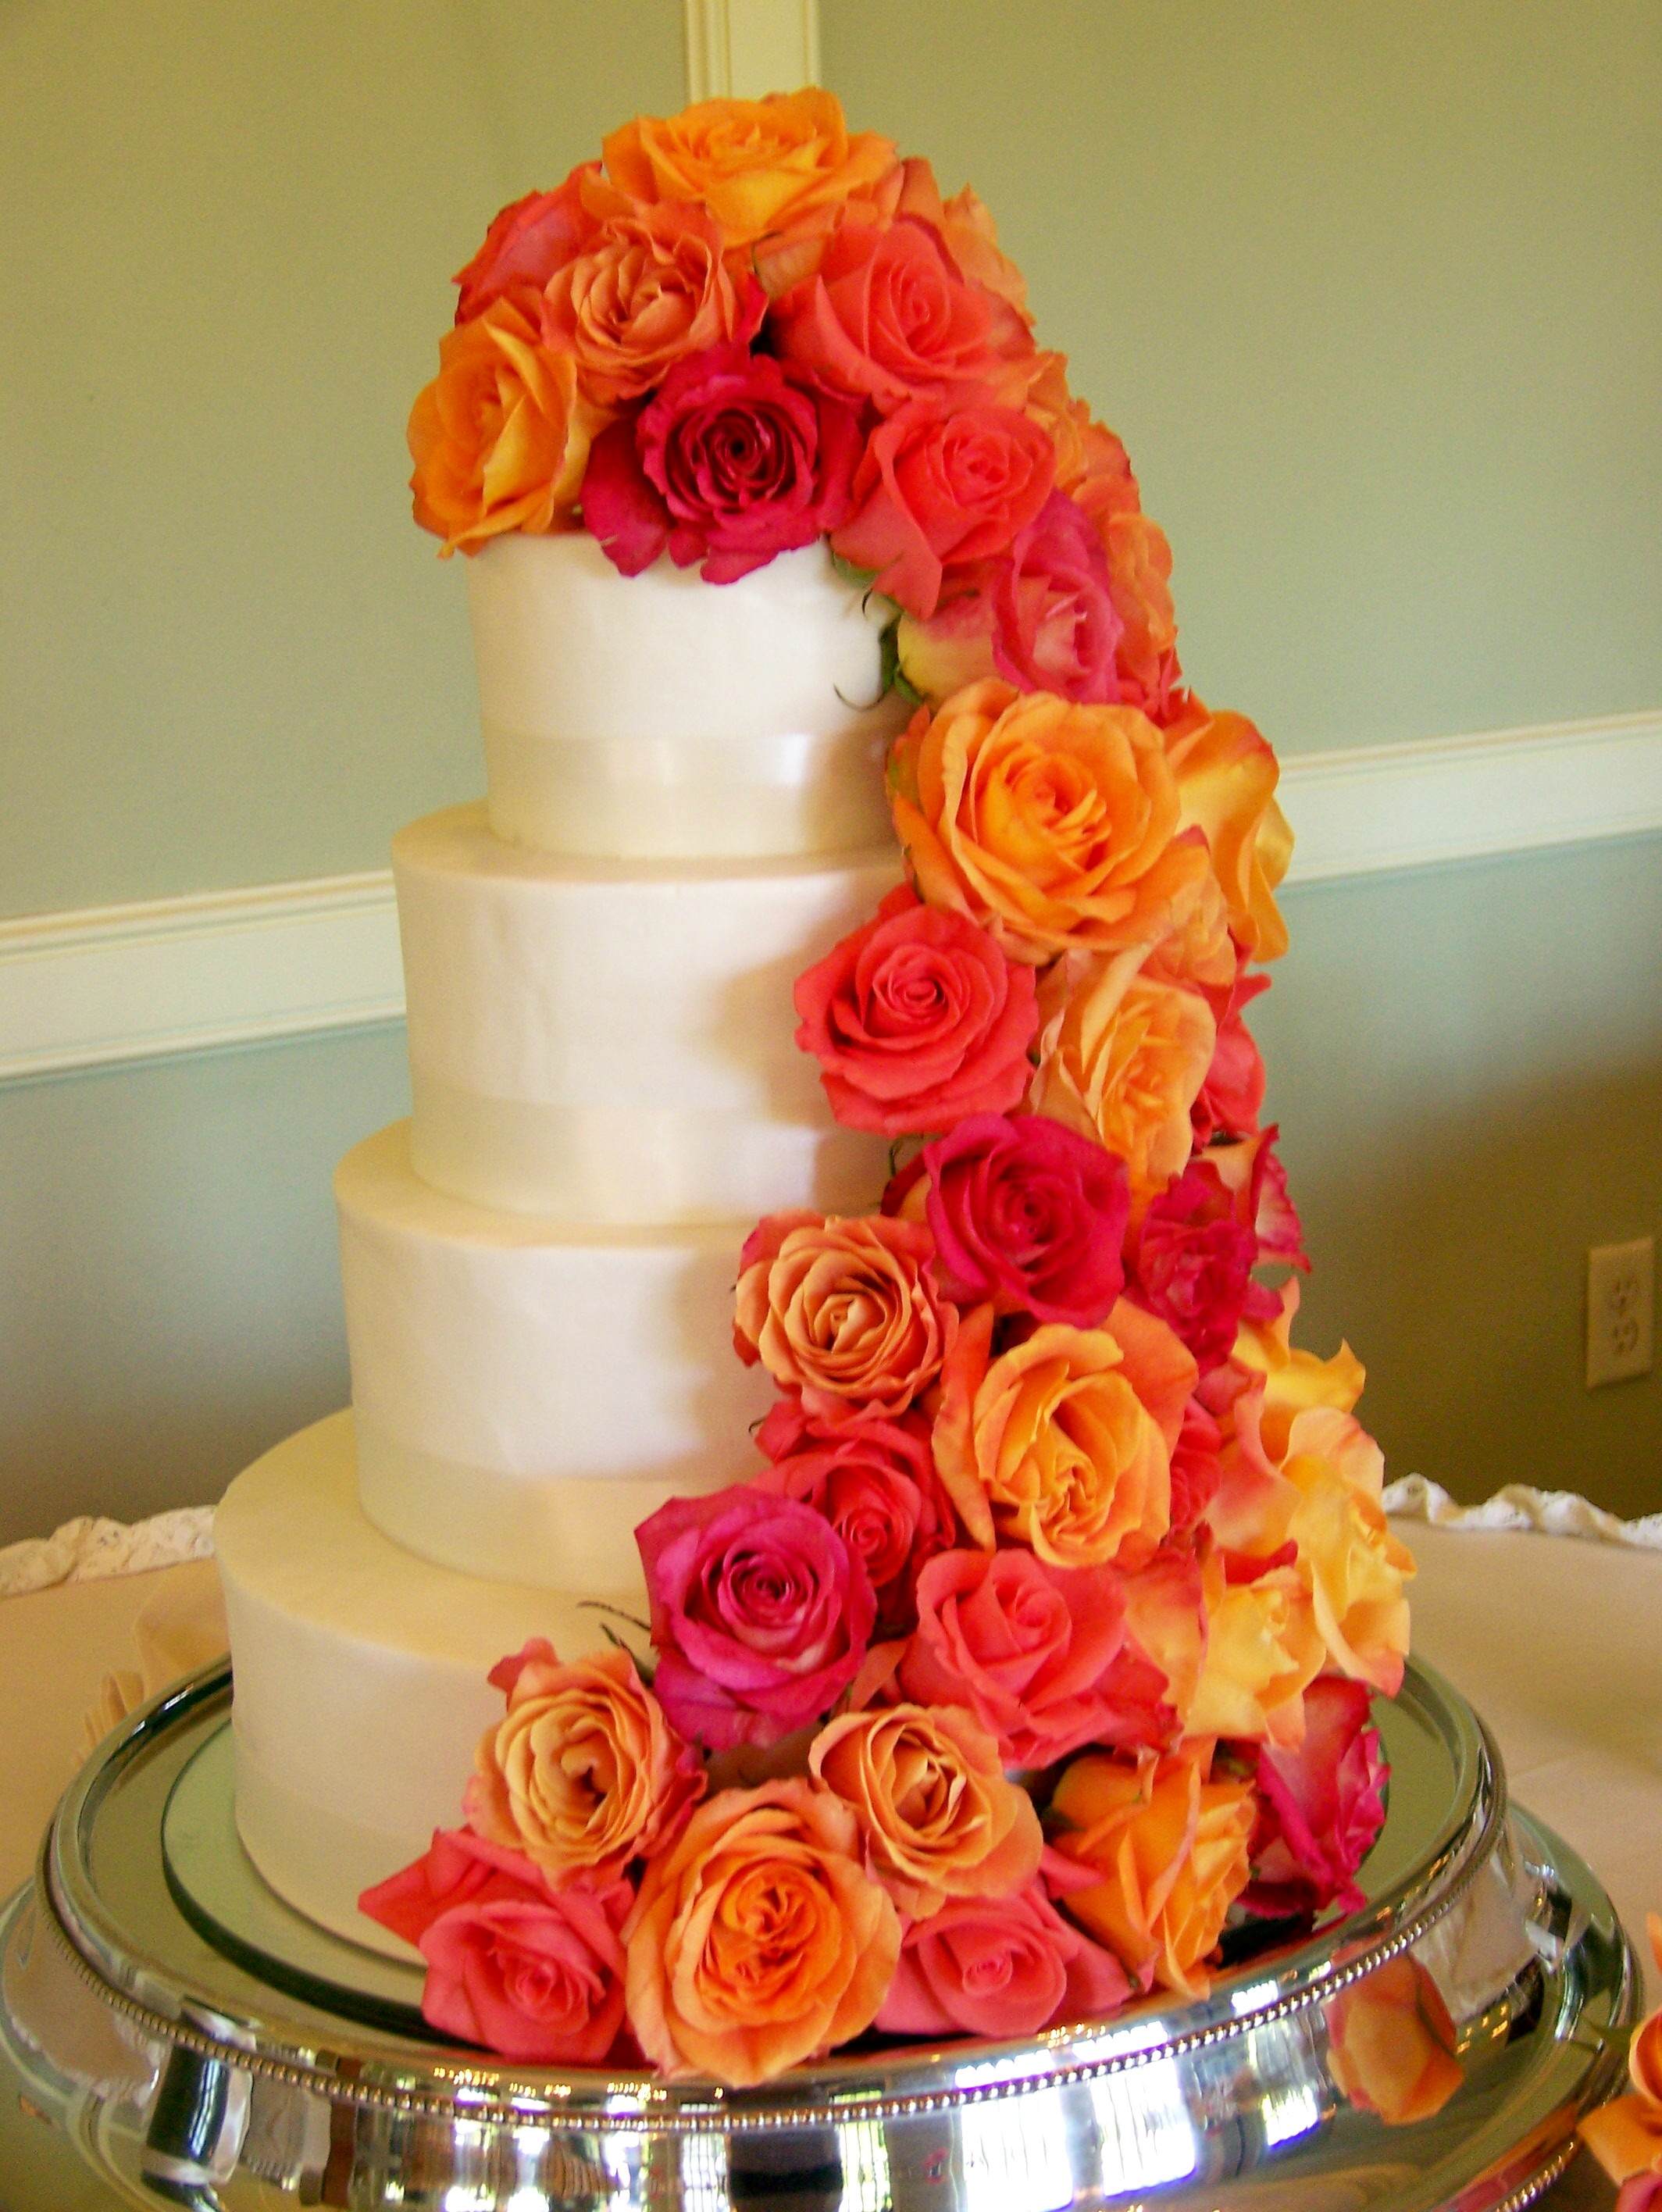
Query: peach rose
{"type": "Point", "coordinates": [754, 165]}
{"type": "Point", "coordinates": [1226, 781]}
{"type": "Point", "coordinates": [1293, 1381]}
{"type": "Point", "coordinates": [1625, 2135]}
{"type": "Point", "coordinates": [584, 1773]}
{"type": "Point", "coordinates": [1171, 1848]}
{"type": "Point", "coordinates": [1053, 826]}
{"type": "Point", "coordinates": [842, 1310]}
{"type": "Point", "coordinates": [500, 437]}
{"type": "Point", "coordinates": [1356, 1566]}
{"type": "Point", "coordinates": [1123, 1054]}
{"type": "Point", "coordinates": [1063, 1442]}
{"type": "Point", "coordinates": [938, 1817]}
{"type": "Point", "coordinates": [760, 1940]}
{"type": "Point", "coordinates": [1391, 2044]}
{"type": "Point", "coordinates": [1263, 1651]}
{"type": "Point", "coordinates": [649, 288]}
{"type": "Point", "coordinates": [526, 242]}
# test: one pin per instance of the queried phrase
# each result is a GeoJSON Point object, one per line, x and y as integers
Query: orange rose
{"type": "Point", "coordinates": [1123, 1052]}
{"type": "Point", "coordinates": [760, 1940]}
{"type": "Point", "coordinates": [1391, 2044]}
{"type": "Point", "coordinates": [1053, 826]}
{"type": "Point", "coordinates": [842, 1310]}
{"type": "Point", "coordinates": [647, 290]}
{"type": "Point", "coordinates": [1171, 1847]}
{"type": "Point", "coordinates": [754, 165]}
{"type": "Point", "coordinates": [1226, 781]}
{"type": "Point", "coordinates": [1356, 1567]}
{"type": "Point", "coordinates": [938, 1817]}
{"type": "Point", "coordinates": [584, 1773]}
{"type": "Point", "coordinates": [1293, 1381]}
{"type": "Point", "coordinates": [1625, 2135]}
{"type": "Point", "coordinates": [1063, 1442]}
{"type": "Point", "coordinates": [500, 437]}
{"type": "Point", "coordinates": [1263, 1651]}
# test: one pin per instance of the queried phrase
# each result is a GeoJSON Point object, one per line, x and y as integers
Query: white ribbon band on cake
{"type": "Point", "coordinates": [667, 798]}
{"type": "Point", "coordinates": [631, 1165]}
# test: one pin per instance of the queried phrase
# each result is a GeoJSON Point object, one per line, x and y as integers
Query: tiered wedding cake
{"type": "Point", "coordinates": [686, 808]}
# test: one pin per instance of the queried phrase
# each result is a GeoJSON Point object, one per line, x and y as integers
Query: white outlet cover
{"type": "Point", "coordinates": [1620, 1310]}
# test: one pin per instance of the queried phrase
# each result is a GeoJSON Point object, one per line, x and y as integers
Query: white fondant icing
{"type": "Point", "coordinates": [660, 716]}
{"type": "Point", "coordinates": [613, 1043]}
{"type": "Point", "coordinates": [534, 1352]}
{"type": "Point", "coordinates": [360, 1676]}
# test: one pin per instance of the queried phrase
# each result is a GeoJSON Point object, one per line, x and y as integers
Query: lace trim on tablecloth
{"type": "Point", "coordinates": [88, 1550]}
{"type": "Point", "coordinates": [1552, 1512]}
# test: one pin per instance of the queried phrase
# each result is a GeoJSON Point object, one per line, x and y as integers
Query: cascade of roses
{"type": "Point", "coordinates": [1035, 1649]}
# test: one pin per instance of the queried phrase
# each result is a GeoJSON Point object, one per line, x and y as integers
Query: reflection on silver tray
{"type": "Point", "coordinates": [1485, 1947]}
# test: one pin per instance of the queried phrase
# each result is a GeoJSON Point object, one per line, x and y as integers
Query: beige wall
{"type": "Point", "coordinates": [1374, 297]}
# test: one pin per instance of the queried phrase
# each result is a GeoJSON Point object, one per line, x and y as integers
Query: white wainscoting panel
{"type": "Point", "coordinates": [745, 49]}
{"type": "Point", "coordinates": [287, 960]}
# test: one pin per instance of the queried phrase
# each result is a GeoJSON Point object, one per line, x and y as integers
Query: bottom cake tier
{"type": "Point", "coordinates": [361, 1677]}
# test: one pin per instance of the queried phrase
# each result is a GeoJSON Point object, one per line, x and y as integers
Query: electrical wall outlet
{"type": "Point", "coordinates": [1621, 1301]}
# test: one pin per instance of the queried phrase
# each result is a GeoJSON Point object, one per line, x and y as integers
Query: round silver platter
{"type": "Point", "coordinates": [171, 2032]}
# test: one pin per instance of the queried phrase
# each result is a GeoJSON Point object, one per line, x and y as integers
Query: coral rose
{"type": "Point", "coordinates": [1391, 2044]}
{"type": "Point", "coordinates": [1040, 1655]}
{"type": "Point", "coordinates": [457, 1868]}
{"type": "Point", "coordinates": [1052, 1443]}
{"type": "Point", "coordinates": [539, 1979]}
{"type": "Point", "coordinates": [1320, 1805]}
{"type": "Point", "coordinates": [1225, 780]}
{"type": "Point", "coordinates": [759, 1612]}
{"type": "Point", "coordinates": [1356, 1566]}
{"type": "Point", "coordinates": [842, 1311]}
{"type": "Point", "coordinates": [1263, 1651]}
{"type": "Point", "coordinates": [939, 1818]}
{"type": "Point", "coordinates": [1053, 826]}
{"type": "Point", "coordinates": [934, 486]}
{"type": "Point", "coordinates": [999, 1967]}
{"type": "Point", "coordinates": [1122, 1055]}
{"type": "Point", "coordinates": [526, 243]}
{"type": "Point", "coordinates": [875, 1482]}
{"type": "Point", "coordinates": [502, 437]}
{"type": "Point", "coordinates": [1625, 2135]}
{"type": "Point", "coordinates": [886, 318]}
{"type": "Point", "coordinates": [1028, 1215]}
{"type": "Point", "coordinates": [1041, 616]}
{"type": "Point", "coordinates": [917, 1019]}
{"type": "Point", "coordinates": [1169, 1845]}
{"type": "Point", "coordinates": [754, 164]}
{"type": "Point", "coordinates": [584, 1773]}
{"type": "Point", "coordinates": [759, 1941]}
{"type": "Point", "coordinates": [730, 462]}
{"type": "Point", "coordinates": [647, 289]}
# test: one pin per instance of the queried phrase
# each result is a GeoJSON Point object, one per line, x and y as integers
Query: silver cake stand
{"type": "Point", "coordinates": [171, 2033]}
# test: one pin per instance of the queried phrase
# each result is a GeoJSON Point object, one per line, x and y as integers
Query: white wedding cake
{"type": "Point", "coordinates": [685, 810]}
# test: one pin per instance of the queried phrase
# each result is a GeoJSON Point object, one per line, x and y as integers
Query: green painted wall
{"type": "Point", "coordinates": [1374, 297]}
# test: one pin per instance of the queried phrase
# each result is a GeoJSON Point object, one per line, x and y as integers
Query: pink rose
{"type": "Point", "coordinates": [1232, 1095]}
{"type": "Point", "coordinates": [888, 318]}
{"type": "Point", "coordinates": [875, 1482]}
{"type": "Point", "coordinates": [1320, 1804]}
{"type": "Point", "coordinates": [917, 1019]}
{"type": "Point", "coordinates": [512, 1965]}
{"type": "Point", "coordinates": [1193, 1260]}
{"type": "Point", "coordinates": [999, 1967]}
{"type": "Point", "coordinates": [761, 1613]}
{"type": "Point", "coordinates": [934, 487]}
{"type": "Point", "coordinates": [1038, 1654]}
{"type": "Point", "coordinates": [731, 461]}
{"type": "Point", "coordinates": [1197, 1467]}
{"type": "Point", "coordinates": [526, 243]}
{"type": "Point", "coordinates": [1030, 1214]}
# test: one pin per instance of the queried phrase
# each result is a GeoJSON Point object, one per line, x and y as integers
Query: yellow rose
{"type": "Point", "coordinates": [760, 1940]}
{"type": "Point", "coordinates": [1356, 1566]}
{"type": "Point", "coordinates": [755, 165]}
{"type": "Point", "coordinates": [1263, 1650]}
{"type": "Point", "coordinates": [1293, 1381]}
{"type": "Point", "coordinates": [1063, 1442]}
{"type": "Point", "coordinates": [501, 438]}
{"type": "Point", "coordinates": [1225, 780]}
{"type": "Point", "coordinates": [939, 1818]}
{"type": "Point", "coordinates": [1171, 1848]}
{"type": "Point", "coordinates": [1055, 826]}
{"type": "Point", "coordinates": [1123, 1054]}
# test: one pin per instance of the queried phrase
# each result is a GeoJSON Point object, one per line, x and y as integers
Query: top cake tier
{"type": "Point", "coordinates": [649, 717]}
